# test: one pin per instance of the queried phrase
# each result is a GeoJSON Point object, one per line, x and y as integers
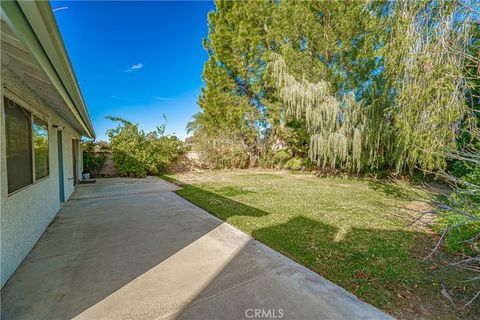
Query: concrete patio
{"type": "Point", "coordinates": [132, 249]}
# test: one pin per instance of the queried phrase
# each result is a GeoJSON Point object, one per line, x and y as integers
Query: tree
{"type": "Point", "coordinates": [401, 65]}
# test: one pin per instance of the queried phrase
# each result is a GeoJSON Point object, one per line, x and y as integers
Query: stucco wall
{"type": "Point", "coordinates": [26, 214]}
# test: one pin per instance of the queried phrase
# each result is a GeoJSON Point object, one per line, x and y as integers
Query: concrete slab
{"type": "Point", "coordinates": [121, 186]}
{"type": "Point", "coordinates": [133, 249]}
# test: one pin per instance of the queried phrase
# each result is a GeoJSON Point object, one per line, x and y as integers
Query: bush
{"type": "Point", "coordinates": [293, 164]}
{"type": "Point", "coordinates": [137, 154]}
{"type": "Point", "coordinates": [280, 158]}
{"type": "Point", "coordinates": [463, 200]}
{"type": "Point", "coordinates": [93, 156]}
{"type": "Point", "coordinates": [221, 152]}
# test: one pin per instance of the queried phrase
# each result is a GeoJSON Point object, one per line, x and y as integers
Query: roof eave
{"type": "Point", "coordinates": [34, 24]}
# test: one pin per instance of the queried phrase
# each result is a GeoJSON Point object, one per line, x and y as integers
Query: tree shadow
{"type": "Point", "coordinates": [409, 191]}
{"type": "Point", "coordinates": [366, 261]}
{"type": "Point", "coordinates": [373, 263]}
{"type": "Point", "coordinates": [391, 189]}
{"type": "Point", "coordinates": [383, 267]}
{"type": "Point", "coordinates": [218, 204]}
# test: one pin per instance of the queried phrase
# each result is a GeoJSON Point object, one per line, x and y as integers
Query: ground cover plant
{"type": "Point", "coordinates": [364, 235]}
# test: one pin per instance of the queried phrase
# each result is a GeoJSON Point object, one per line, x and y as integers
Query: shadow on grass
{"type": "Point", "coordinates": [409, 191]}
{"type": "Point", "coordinates": [373, 264]}
{"type": "Point", "coordinates": [382, 267]}
{"type": "Point", "coordinates": [392, 189]}
{"type": "Point", "coordinates": [218, 205]}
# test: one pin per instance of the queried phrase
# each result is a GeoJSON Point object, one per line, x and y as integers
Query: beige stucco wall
{"type": "Point", "coordinates": [26, 214]}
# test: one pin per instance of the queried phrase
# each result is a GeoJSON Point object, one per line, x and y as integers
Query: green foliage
{"type": "Point", "coordinates": [275, 159]}
{"type": "Point", "coordinates": [465, 168]}
{"type": "Point", "coordinates": [360, 85]}
{"type": "Point", "coordinates": [280, 157]}
{"type": "Point", "coordinates": [462, 215]}
{"type": "Point", "coordinates": [40, 147]}
{"type": "Point", "coordinates": [294, 164]}
{"type": "Point", "coordinates": [221, 152]}
{"type": "Point", "coordinates": [336, 126]}
{"type": "Point", "coordinates": [94, 155]}
{"type": "Point", "coordinates": [428, 80]}
{"type": "Point", "coordinates": [352, 232]}
{"type": "Point", "coordinates": [137, 154]}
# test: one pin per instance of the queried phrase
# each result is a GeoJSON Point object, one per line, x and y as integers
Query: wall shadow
{"type": "Point", "coordinates": [94, 248]}
{"type": "Point", "coordinates": [98, 246]}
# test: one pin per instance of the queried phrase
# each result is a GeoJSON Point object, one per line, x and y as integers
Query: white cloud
{"type": "Point", "coordinates": [119, 98]}
{"type": "Point", "coordinates": [162, 98]}
{"type": "Point", "coordinates": [59, 8]}
{"type": "Point", "coordinates": [135, 67]}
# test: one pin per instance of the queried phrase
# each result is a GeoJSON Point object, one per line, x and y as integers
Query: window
{"type": "Point", "coordinates": [40, 146]}
{"type": "Point", "coordinates": [18, 138]}
{"type": "Point", "coordinates": [26, 139]}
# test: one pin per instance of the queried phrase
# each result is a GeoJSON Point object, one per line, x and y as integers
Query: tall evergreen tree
{"type": "Point", "coordinates": [401, 65]}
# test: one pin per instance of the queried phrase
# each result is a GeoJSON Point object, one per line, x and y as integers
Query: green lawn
{"type": "Point", "coordinates": [353, 232]}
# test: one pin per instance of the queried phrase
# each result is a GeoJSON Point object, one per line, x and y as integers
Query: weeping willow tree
{"type": "Point", "coordinates": [337, 126]}
{"type": "Point", "coordinates": [403, 61]}
{"type": "Point", "coordinates": [424, 66]}
{"type": "Point", "coordinates": [421, 102]}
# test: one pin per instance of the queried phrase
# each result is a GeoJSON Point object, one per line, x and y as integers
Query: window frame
{"type": "Point", "coordinates": [34, 112]}
{"type": "Point", "coordinates": [32, 120]}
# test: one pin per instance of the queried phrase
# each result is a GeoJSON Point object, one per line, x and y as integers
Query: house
{"type": "Point", "coordinates": [43, 117]}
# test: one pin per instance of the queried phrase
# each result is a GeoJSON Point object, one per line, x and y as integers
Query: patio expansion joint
{"type": "Point", "coordinates": [119, 195]}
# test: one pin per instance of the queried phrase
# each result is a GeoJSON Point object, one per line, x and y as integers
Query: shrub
{"type": "Point", "coordinates": [293, 164]}
{"type": "Point", "coordinates": [137, 154]}
{"type": "Point", "coordinates": [221, 152]}
{"type": "Point", "coordinates": [280, 158]}
{"type": "Point", "coordinates": [464, 200]}
{"type": "Point", "coordinates": [93, 156]}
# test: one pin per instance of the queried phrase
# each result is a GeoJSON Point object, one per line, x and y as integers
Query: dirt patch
{"type": "Point", "coordinates": [420, 215]}
{"type": "Point", "coordinates": [429, 306]}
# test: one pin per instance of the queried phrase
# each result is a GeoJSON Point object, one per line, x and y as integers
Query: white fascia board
{"type": "Point", "coordinates": [34, 24]}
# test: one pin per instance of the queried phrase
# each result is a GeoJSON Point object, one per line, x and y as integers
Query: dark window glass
{"type": "Point", "coordinates": [40, 146]}
{"type": "Point", "coordinates": [18, 137]}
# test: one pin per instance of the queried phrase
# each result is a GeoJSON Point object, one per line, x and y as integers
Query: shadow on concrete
{"type": "Point", "coordinates": [98, 245]}
{"type": "Point", "coordinates": [156, 255]}
{"type": "Point", "coordinates": [374, 263]}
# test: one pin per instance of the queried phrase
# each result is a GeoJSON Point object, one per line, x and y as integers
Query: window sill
{"type": "Point", "coordinates": [29, 186]}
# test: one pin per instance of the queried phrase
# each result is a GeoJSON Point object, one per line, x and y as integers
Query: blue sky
{"type": "Point", "coordinates": [136, 60]}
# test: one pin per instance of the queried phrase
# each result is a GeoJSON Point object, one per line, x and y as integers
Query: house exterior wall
{"type": "Point", "coordinates": [26, 213]}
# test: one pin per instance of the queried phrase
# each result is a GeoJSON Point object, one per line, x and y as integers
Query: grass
{"type": "Point", "coordinates": [356, 233]}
